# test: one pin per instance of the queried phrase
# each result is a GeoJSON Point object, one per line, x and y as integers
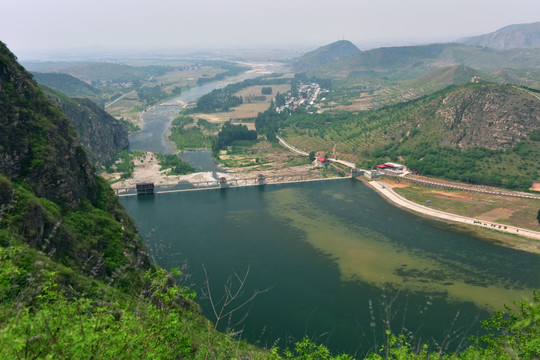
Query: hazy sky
{"type": "Point", "coordinates": [203, 24]}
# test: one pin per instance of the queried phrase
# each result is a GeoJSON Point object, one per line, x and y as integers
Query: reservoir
{"type": "Point", "coordinates": [340, 265]}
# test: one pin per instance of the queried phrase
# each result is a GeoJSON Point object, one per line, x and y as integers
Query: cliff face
{"type": "Point", "coordinates": [50, 197]}
{"type": "Point", "coordinates": [37, 142]}
{"type": "Point", "coordinates": [101, 135]}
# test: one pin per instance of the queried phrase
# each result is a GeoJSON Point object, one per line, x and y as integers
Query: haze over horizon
{"type": "Point", "coordinates": [31, 26]}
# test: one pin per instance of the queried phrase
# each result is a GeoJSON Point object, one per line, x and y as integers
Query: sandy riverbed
{"type": "Point", "coordinates": [147, 169]}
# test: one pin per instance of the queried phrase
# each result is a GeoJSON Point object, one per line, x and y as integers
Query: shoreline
{"type": "Point", "coordinates": [394, 198]}
{"type": "Point", "coordinates": [147, 169]}
{"type": "Point", "coordinates": [238, 186]}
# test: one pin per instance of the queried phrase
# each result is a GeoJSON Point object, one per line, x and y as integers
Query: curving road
{"type": "Point", "coordinates": [394, 197]}
{"type": "Point", "coordinates": [293, 149]}
{"type": "Point", "coordinates": [115, 100]}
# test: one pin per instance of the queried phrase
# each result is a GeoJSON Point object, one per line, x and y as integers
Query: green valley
{"type": "Point", "coordinates": [78, 280]}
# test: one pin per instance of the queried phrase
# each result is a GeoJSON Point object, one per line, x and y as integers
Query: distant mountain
{"type": "Point", "coordinates": [407, 62]}
{"type": "Point", "coordinates": [101, 73]}
{"type": "Point", "coordinates": [509, 37]}
{"type": "Point", "coordinates": [329, 53]}
{"type": "Point", "coordinates": [102, 136]}
{"type": "Point", "coordinates": [67, 84]}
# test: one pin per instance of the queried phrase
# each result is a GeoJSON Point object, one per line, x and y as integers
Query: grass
{"type": "Point", "coordinates": [256, 91]}
{"type": "Point", "coordinates": [247, 110]}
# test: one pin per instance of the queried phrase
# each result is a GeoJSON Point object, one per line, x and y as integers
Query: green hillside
{"type": "Point", "coordinates": [442, 77]}
{"type": "Point", "coordinates": [384, 76]}
{"type": "Point", "coordinates": [67, 84]}
{"type": "Point", "coordinates": [484, 133]}
{"type": "Point", "coordinates": [325, 54]}
{"type": "Point", "coordinates": [427, 84]}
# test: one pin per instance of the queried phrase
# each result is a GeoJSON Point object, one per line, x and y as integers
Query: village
{"type": "Point", "coordinates": [308, 95]}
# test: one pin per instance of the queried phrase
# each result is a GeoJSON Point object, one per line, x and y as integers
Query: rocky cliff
{"type": "Point", "coordinates": [37, 143]}
{"type": "Point", "coordinates": [491, 116]}
{"type": "Point", "coordinates": [50, 197]}
{"type": "Point", "coordinates": [101, 135]}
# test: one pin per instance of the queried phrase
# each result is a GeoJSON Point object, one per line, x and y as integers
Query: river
{"type": "Point", "coordinates": [341, 264]}
{"type": "Point", "coordinates": [157, 120]}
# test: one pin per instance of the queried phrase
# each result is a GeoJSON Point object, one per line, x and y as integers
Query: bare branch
{"type": "Point", "coordinates": [225, 306]}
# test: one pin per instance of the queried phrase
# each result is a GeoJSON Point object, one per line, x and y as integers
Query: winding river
{"type": "Point", "coordinates": [157, 120]}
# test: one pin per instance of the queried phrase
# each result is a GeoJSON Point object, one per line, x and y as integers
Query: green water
{"type": "Point", "coordinates": [340, 264]}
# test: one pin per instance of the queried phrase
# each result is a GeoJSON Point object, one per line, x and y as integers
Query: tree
{"type": "Point", "coordinates": [538, 216]}
{"type": "Point", "coordinates": [311, 156]}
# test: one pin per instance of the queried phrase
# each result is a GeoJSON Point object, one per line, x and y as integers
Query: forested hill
{"type": "Point", "coordinates": [484, 133]}
{"type": "Point", "coordinates": [328, 53]}
{"type": "Point", "coordinates": [67, 84]}
{"type": "Point", "coordinates": [509, 37]}
{"type": "Point", "coordinates": [406, 62]}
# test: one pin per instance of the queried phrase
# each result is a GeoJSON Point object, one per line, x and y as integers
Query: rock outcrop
{"type": "Point", "coordinates": [37, 143]}
{"type": "Point", "coordinates": [491, 116]}
{"type": "Point", "coordinates": [50, 196]}
{"type": "Point", "coordinates": [102, 136]}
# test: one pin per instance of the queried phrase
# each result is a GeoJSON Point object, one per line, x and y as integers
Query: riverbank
{"type": "Point", "coordinates": [530, 244]}
{"type": "Point", "coordinates": [147, 169]}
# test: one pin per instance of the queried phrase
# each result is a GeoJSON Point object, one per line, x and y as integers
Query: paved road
{"type": "Point", "coordinates": [391, 195]}
{"type": "Point", "coordinates": [292, 148]}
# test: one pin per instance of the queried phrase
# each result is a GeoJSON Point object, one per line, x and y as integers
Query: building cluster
{"type": "Point", "coordinates": [308, 96]}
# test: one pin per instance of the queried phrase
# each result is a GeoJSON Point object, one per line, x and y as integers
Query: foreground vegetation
{"type": "Point", "coordinates": [51, 311]}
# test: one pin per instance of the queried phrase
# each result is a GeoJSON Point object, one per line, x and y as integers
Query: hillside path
{"type": "Point", "coordinates": [115, 100]}
{"type": "Point", "coordinates": [290, 147]}
{"type": "Point", "coordinates": [293, 149]}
